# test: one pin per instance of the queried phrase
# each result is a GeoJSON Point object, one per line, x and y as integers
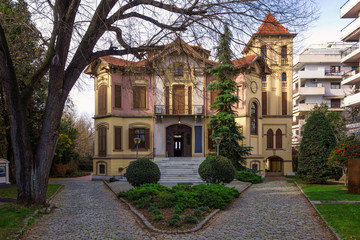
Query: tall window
{"type": "Point", "coordinates": [102, 141]}
{"type": "Point", "coordinates": [270, 139]}
{"type": "Point", "coordinates": [278, 138]}
{"type": "Point", "coordinates": [178, 70]}
{"type": "Point", "coordinates": [253, 119]}
{"type": "Point", "coordinates": [214, 94]}
{"type": "Point", "coordinates": [263, 51]}
{"type": "Point", "coordinates": [283, 52]}
{"type": "Point", "coordinates": [139, 97]}
{"type": "Point", "coordinates": [143, 134]}
{"type": "Point", "coordinates": [284, 103]}
{"type": "Point", "coordinates": [117, 96]}
{"type": "Point", "coordinates": [118, 138]}
{"type": "Point", "coordinates": [102, 96]}
{"type": "Point", "coordinates": [283, 77]}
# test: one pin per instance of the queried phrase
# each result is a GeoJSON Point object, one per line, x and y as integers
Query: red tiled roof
{"type": "Point", "coordinates": [244, 60]}
{"type": "Point", "coordinates": [271, 26]}
{"type": "Point", "coordinates": [122, 63]}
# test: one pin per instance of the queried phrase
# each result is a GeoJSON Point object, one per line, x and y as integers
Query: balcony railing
{"type": "Point", "coordinates": [334, 73]}
{"type": "Point", "coordinates": [284, 61]}
{"type": "Point", "coordinates": [350, 73]}
{"type": "Point", "coordinates": [296, 90]}
{"type": "Point", "coordinates": [349, 50]}
{"type": "Point", "coordinates": [335, 105]}
{"type": "Point", "coordinates": [179, 110]}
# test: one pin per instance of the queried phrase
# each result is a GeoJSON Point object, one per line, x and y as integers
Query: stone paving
{"type": "Point", "coordinates": [271, 210]}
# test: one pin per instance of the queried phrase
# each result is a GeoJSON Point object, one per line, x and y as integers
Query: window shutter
{"type": "Point", "coordinates": [278, 138]}
{"type": "Point", "coordinates": [117, 96]}
{"type": "Point", "coordinates": [118, 138]}
{"type": "Point", "coordinates": [167, 103]}
{"type": "Point", "coordinates": [102, 141]}
{"type": "Point", "coordinates": [189, 100]}
{"type": "Point", "coordinates": [147, 138]}
{"type": "Point", "coordinates": [270, 139]}
{"type": "Point", "coordinates": [139, 97]}
{"type": "Point", "coordinates": [264, 103]}
{"type": "Point", "coordinates": [131, 138]}
{"type": "Point", "coordinates": [102, 100]}
{"type": "Point", "coordinates": [210, 141]}
{"type": "Point", "coordinates": [284, 103]}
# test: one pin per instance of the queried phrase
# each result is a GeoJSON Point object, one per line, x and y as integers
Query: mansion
{"type": "Point", "coordinates": [164, 101]}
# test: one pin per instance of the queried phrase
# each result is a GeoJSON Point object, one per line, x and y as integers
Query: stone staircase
{"type": "Point", "coordinates": [179, 170]}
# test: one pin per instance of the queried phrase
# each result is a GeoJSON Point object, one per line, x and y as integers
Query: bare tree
{"type": "Point", "coordinates": [82, 31]}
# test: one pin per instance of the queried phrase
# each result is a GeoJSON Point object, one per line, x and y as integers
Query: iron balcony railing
{"type": "Point", "coordinates": [334, 73]}
{"type": "Point", "coordinates": [350, 73]}
{"type": "Point", "coordinates": [179, 109]}
{"type": "Point", "coordinates": [349, 50]}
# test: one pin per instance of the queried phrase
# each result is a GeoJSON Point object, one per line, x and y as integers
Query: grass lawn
{"type": "Point", "coordinates": [344, 218]}
{"type": "Point", "coordinates": [12, 215]}
{"type": "Point", "coordinates": [11, 192]}
{"type": "Point", "coordinates": [329, 192]}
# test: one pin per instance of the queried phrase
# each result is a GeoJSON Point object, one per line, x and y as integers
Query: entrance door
{"type": "Point", "coordinates": [178, 145]}
{"type": "Point", "coordinates": [178, 99]}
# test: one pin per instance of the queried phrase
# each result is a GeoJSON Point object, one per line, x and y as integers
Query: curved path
{"type": "Point", "coordinates": [271, 210]}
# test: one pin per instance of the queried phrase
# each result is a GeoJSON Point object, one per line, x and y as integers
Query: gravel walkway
{"type": "Point", "coordinates": [271, 210]}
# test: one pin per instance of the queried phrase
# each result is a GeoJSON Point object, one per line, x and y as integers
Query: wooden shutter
{"type": "Point", "coordinates": [189, 100]}
{"type": "Point", "coordinates": [139, 97]}
{"type": "Point", "coordinates": [284, 103]}
{"type": "Point", "coordinates": [210, 141]}
{"type": "Point", "coordinates": [167, 98]}
{"type": "Point", "coordinates": [102, 141]}
{"type": "Point", "coordinates": [270, 138]}
{"type": "Point", "coordinates": [131, 138]}
{"type": "Point", "coordinates": [147, 138]}
{"type": "Point", "coordinates": [102, 100]}
{"type": "Point", "coordinates": [278, 138]}
{"type": "Point", "coordinates": [118, 138]}
{"type": "Point", "coordinates": [117, 96]}
{"type": "Point", "coordinates": [178, 99]}
{"type": "Point", "coordinates": [264, 103]}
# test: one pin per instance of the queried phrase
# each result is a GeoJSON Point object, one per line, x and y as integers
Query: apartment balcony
{"type": "Point", "coordinates": [306, 107]}
{"type": "Point", "coordinates": [351, 54]}
{"type": "Point", "coordinates": [320, 74]}
{"type": "Point", "coordinates": [350, 9]}
{"type": "Point", "coordinates": [311, 91]}
{"type": "Point", "coordinates": [179, 110]}
{"type": "Point", "coordinates": [351, 32]}
{"type": "Point", "coordinates": [352, 100]}
{"type": "Point", "coordinates": [351, 78]}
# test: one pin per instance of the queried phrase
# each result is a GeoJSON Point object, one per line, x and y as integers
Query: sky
{"type": "Point", "coordinates": [325, 29]}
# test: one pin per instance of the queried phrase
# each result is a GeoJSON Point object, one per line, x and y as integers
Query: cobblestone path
{"type": "Point", "coordinates": [271, 210]}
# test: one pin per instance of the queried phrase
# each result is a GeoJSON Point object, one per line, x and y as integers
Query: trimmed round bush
{"type": "Point", "coordinates": [142, 171]}
{"type": "Point", "coordinates": [190, 219]}
{"type": "Point", "coordinates": [217, 169]}
{"type": "Point", "coordinates": [246, 176]}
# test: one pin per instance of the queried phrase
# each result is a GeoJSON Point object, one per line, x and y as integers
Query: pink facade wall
{"type": "Point", "coordinates": [126, 83]}
{"type": "Point", "coordinates": [240, 79]}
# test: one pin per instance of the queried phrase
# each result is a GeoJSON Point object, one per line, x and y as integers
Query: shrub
{"type": "Point", "coordinates": [198, 213]}
{"type": "Point", "coordinates": [158, 217]}
{"type": "Point", "coordinates": [246, 176]}
{"type": "Point", "coordinates": [166, 200]}
{"type": "Point", "coordinates": [173, 223]}
{"type": "Point", "coordinates": [146, 190]}
{"type": "Point", "coordinates": [188, 199]}
{"type": "Point", "coordinates": [154, 210]}
{"type": "Point", "coordinates": [176, 216]}
{"type": "Point", "coordinates": [317, 142]}
{"type": "Point", "coordinates": [204, 208]}
{"type": "Point", "coordinates": [142, 171]}
{"type": "Point", "coordinates": [143, 202]}
{"type": "Point", "coordinates": [216, 169]}
{"type": "Point", "coordinates": [179, 208]}
{"type": "Point", "coordinates": [190, 219]}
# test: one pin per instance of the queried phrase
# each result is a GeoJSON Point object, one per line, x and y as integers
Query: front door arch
{"type": "Point", "coordinates": [178, 140]}
{"type": "Point", "coordinates": [275, 164]}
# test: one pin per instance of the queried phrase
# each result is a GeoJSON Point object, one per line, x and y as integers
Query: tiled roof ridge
{"type": "Point", "coordinates": [271, 25]}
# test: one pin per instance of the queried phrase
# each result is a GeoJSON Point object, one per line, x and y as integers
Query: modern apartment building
{"type": "Point", "coordinates": [351, 33]}
{"type": "Point", "coordinates": [318, 72]}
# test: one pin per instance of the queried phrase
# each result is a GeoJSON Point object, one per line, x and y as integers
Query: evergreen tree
{"type": "Point", "coordinates": [223, 122]}
{"type": "Point", "coordinates": [317, 142]}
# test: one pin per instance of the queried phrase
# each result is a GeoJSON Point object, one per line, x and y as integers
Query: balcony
{"type": "Point", "coordinates": [351, 32]}
{"type": "Point", "coordinates": [350, 9]}
{"type": "Point", "coordinates": [352, 77]}
{"type": "Point", "coordinates": [311, 91]}
{"type": "Point", "coordinates": [351, 54]}
{"type": "Point", "coordinates": [306, 107]}
{"type": "Point", "coordinates": [352, 100]}
{"type": "Point", "coordinates": [320, 74]}
{"type": "Point", "coordinates": [179, 110]}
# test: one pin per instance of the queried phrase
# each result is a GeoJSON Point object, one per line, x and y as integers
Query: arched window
{"type": "Point", "coordinates": [270, 138]}
{"type": "Point", "coordinates": [278, 138]}
{"type": "Point", "coordinates": [283, 52]}
{"type": "Point", "coordinates": [253, 119]}
{"type": "Point", "coordinates": [102, 97]}
{"type": "Point", "coordinates": [102, 168]}
{"type": "Point", "coordinates": [283, 77]}
{"type": "Point", "coordinates": [263, 51]}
